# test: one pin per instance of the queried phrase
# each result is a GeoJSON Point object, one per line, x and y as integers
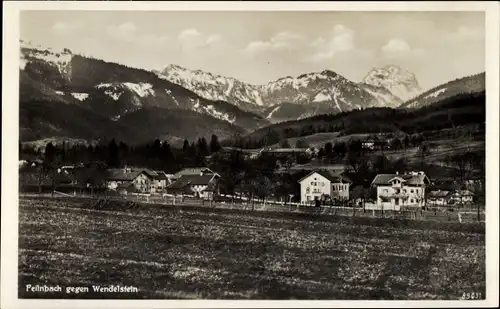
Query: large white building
{"type": "Point", "coordinates": [396, 190]}
{"type": "Point", "coordinates": [323, 185]}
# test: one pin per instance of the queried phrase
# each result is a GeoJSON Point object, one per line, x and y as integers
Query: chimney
{"type": "Point", "coordinates": [397, 172]}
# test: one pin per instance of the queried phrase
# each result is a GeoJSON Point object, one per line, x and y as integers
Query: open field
{"type": "Point", "coordinates": [173, 252]}
{"type": "Point", "coordinates": [439, 150]}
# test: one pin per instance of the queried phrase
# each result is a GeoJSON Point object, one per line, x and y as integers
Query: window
{"type": "Point", "coordinates": [386, 191]}
{"type": "Point", "coordinates": [411, 200]}
{"type": "Point", "coordinates": [404, 190]}
{"type": "Point", "coordinates": [411, 191]}
{"type": "Point", "coordinates": [308, 197]}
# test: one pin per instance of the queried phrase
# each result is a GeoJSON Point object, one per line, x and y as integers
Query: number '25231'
{"type": "Point", "coordinates": [470, 296]}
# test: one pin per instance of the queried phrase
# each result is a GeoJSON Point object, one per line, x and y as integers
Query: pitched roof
{"type": "Point", "coordinates": [335, 178]}
{"type": "Point", "coordinates": [438, 193]}
{"type": "Point", "coordinates": [183, 181]}
{"type": "Point", "coordinates": [411, 179]}
{"type": "Point", "coordinates": [194, 171]}
{"type": "Point", "coordinates": [123, 175]}
{"type": "Point", "coordinates": [463, 193]}
{"type": "Point", "coordinates": [161, 176]}
{"type": "Point", "coordinates": [150, 173]}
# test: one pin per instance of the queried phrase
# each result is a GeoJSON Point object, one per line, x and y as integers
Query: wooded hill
{"type": "Point", "coordinates": [460, 110]}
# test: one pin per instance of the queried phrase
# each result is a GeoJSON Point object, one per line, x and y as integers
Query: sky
{"type": "Point", "coordinates": [258, 47]}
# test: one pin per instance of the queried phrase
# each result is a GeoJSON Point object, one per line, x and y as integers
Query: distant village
{"type": "Point", "coordinates": [316, 182]}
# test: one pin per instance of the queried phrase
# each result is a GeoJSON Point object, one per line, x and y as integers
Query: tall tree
{"type": "Point", "coordinates": [192, 150]}
{"type": "Point", "coordinates": [321, 153]}
{"type": "Point", "coordinates": [51, 162]}
{"type": "Point", "coordinates": [406, 142]}
{"type": "Point", "coordinates": [382, 165]}
{"type": "Point", "coordinates": [123, 153]}
{"type": "Point", "coordinates": [423, 152]}
{"type": "Point", "coordinates": [155, 148]}
{"type": "Point", "coordinates": [49, 155]}
{"type": "Point", "coordinates": [202, 147]}
{"type": "Point", "coordinates": [340, 149]}
{"type": "Point", "coordinates": [167, 158]}
{"type": "Point", "coordinates": [113, 154]}
{"type": "Point", "coordinates": [396, 143]}
{"type": "Point", "coordinates": [214, 144]}
{"type": "Point", "coordinates": [328, 149]}
{"type": "Point", "coordinates": [185, 147]}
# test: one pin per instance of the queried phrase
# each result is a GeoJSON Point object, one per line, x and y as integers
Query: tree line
{"type": "Point", "coordinates": [463, 110]}
{"type": "Point", "coordinates": [261, 177]}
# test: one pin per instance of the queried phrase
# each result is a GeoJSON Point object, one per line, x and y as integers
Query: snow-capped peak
{"type": "Point", "coordinates": [327, 88]}
{"type": "Point", "coordinates": [398, 81]}
{"type": "Point", "coordinates": [212, 86]}
{"type": "Point", "coordinates": [61, 59]}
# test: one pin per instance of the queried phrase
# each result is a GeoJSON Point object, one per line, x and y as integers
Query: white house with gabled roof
{"type": "Point", "coordinates": [320, 185]}
{"type": "Point", "coordinates": [396, 190]}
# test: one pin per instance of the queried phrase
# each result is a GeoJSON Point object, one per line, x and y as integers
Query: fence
{"type": "Point", "coordinates": [275, 206]}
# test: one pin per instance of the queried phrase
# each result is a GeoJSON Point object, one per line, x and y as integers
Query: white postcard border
{"type": "Point", "coordinates": [10, 136]}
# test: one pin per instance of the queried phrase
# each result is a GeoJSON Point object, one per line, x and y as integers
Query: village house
{"type": "Point", "coordinates": [438, 198]}
{"type": "Point", "coordinates": [396, 190]}
{"type": "Point", "coordinates": [245, 153]}
{"type": "Point", "coordinates": [160, 181]}
{"type": "Point", "coordinates": [461, 197]}
{"type": "Point", "coordinates": [194, 171]}
{"type": "Point", "coordinates": [450, 198]}
{"type": "Point", "coordinates": [368, 145]}
{"type": "Point", "coordinates": [140, 179]}
{"type": "Point", "coordinates": [200, 182]}
{"type": "Point", "coordinates": [323, 185]}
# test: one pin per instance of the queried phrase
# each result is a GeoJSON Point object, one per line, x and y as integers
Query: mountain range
{"type": "Point", "coordinates": [63, 94]}
{"type": "Point", "coordinates": [303, 96]}
{"type": "Point", "coordinates": [102, 99]}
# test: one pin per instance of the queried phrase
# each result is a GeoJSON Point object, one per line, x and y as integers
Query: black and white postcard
{"type": "Point", "coordinates": [241, 154]}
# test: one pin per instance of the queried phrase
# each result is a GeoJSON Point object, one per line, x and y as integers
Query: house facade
{"type": "Point", "coordinates": [194, 171]}
{"type": "Point", "coordinates": [461, 197]}
{"type": "Point", "coordinates": [139, 178]}
{"type": "Point", "coordinates": [397, 190]}
{"type": "Point", "coordinates": [200, 182]}
{"type": "Point", "coordinates": [438, 198]}
{"type": "Point", "coordinates": [160, 182]}
{"type": "Point", "coordinates": [450, 198]}
{"type": "Point", "coordinates": [323, 185]}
